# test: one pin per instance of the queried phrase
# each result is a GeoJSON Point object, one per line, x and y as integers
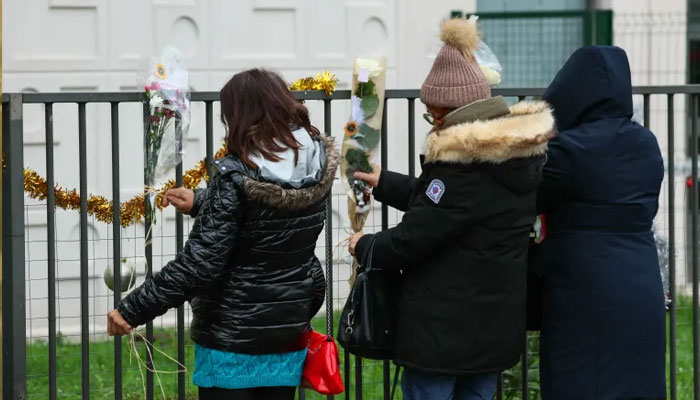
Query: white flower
{"type": "Point", "coordinates": [155, 102]}
{"type": "Point", "coordinates": [371, 65]}
{"type": "Point", "coordinates": [356, 113]}
{"type": "Point", "coordinates": [492, 76]}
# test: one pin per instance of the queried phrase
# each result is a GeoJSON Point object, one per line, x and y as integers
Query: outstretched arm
{"type": "Point", "coordinates": [202, 262]}
{"type": "Point", "coordinates": [449, 205]}
{"type": "Point", "coordinates": [391, 188]}
{"type": "Point", "coordinates": [394, 189]}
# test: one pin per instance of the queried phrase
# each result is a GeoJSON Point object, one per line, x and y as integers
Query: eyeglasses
{"type": "Point", "coordinates": [428, 117]}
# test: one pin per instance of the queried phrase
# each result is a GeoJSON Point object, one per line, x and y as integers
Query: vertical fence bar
{"type": "Point", "coordinates": [358, 378]}
{"type": "Point", "coordinates": [694, 245]}
{"type": "Point", "coordinates": [499, 387]}
{"type": "Point", "coordinates": [179, 244]}
{"type": "Point", "coordinates": [14, 351]}
{"type": "Point", "coordinates": [672, 248]}
{"type": "Point", "coordinates": [411, 137]}
{"type": "Point", "coordinates": [329, 234]}
{"type": "Point", "coordinates": [384, 164]}
{"type": "Point", "coordinates": [51, 248]}
{"type": "Point", "coordinates": [84, 262]}
{"type": "Point", "coordinates": [386, 365]}
{"type": "Point", "coordinates": [181, 377]}
{"type": "Point", "coordinates": [149, 266]}
{"type": "Point", "coordinates": [347, 375]}
{"type": "Point", "coordinates": [646, 110]}
{"type": "Point", "coordinates": [386, 373]}
{"type": "Point", "coordinates": [525, 384]}
{"type": "Point", "coordinates": [523, 371]}
{"type": "Point", "coordinates": [209, 111]}
{"type": "Point", "coordinates": [301, 394]}
{"type": "Point", "coordinates": [116, 246]}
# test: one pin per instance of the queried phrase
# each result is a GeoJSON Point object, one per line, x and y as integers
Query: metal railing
{"type": "Point", "coordinates": [14, 345]}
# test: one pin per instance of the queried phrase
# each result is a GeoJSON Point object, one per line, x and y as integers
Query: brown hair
{"type": "Point", "coordinates": [259, 112]}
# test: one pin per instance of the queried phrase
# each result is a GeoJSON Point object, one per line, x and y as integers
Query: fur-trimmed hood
{"type": "Point", "coordinates": [523, 133]}
{"type": "Point", "coordinates": [313, 191]}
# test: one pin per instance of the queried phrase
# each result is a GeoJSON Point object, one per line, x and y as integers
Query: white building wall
{"type": "Point", "coordinates": [93, 45]}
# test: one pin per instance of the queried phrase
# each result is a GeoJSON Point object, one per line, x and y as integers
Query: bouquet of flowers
{"type": "Point", "coordinates": [489, 64]}
{"type": "Point", "coordinates": [166, 84]}
{"type": "Point", "coordinates": [167, 96]}
{"type": "Point", "coordinates": [362, 137]}
{"type": "Point", "coordinates": [487, 60]}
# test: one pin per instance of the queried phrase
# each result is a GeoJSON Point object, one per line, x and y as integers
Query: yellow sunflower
{"type": "Point", "coordinates": [160, 71]}
{"type": "Point", "coordinates": [351, 128]}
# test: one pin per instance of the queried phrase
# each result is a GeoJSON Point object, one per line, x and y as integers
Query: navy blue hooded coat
{"type": "Point", "coordinates": [602, 303]}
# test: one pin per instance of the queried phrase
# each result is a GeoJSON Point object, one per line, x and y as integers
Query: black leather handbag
{"type": "Point", "coordinates": [367, 326]}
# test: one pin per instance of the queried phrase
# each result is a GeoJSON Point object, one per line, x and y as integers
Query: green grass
{"type": "Point", "coordinates": [684, 349]}
{"type": "Point", "coordinates": [102, 367]}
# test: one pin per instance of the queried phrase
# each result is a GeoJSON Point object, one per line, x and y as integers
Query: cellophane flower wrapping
{"type": "Point", "coordinates": [662, 250]}
{"type": "Point", "coordinates": [362, 137]}
{"type": "Point", "coordinates": [489, 64]}
{"type": "Point", "coordinates": [167, 95]}
{"type": "Point", "coordinates": [487, 60]}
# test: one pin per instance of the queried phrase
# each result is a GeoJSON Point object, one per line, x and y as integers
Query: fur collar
{"type": "Point", "coordinates": [276, 196]}
{"type": "Point", "coordinates": [522, 133]}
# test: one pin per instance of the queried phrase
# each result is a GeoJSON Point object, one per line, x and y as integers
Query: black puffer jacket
{"type": "Point", "coordinates": [462, 242]}
{"type": "Point", "coordinates": [249, 268]}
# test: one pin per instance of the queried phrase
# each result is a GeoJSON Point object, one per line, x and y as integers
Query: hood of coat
{"type": "Point", "coordinates": [290, 169]}
{"type": "Point", "coordinates": [522, 133]}
{"type": "Point", "coordinates": [595, 83]}
{"type": "Point", "coordinates": [267, 187]}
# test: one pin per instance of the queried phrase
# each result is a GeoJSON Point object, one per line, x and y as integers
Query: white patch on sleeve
{"type": "Point", "coordinates": [435, 190]}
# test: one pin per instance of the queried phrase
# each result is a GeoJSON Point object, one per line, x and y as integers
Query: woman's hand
{"type": "Point", "coordinates": [116, 325]}
{"type": "Point", "coordinates": [372, 178]}
{"type": "Point", "coordinates": [353, 242]}
{"type": "Point", "coordinates": [182, 199]}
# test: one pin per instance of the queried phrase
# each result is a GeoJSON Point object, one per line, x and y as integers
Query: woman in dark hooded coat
{"type": "Point", "coordinates": [602, 302]}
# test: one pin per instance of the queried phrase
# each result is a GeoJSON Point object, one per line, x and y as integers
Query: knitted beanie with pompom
{"type": "Point", "coordinates": [455, 79]}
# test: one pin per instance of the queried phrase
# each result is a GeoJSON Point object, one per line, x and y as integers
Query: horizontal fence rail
{"type": "Point", "coordinates": [363, 379]}
{"type": "Point", "coordinates": [125, 97]}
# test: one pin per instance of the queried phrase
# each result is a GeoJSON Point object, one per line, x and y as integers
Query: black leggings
{"type": "Point", "coordinates": [261, 393]}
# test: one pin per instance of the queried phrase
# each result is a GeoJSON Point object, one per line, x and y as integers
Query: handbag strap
{"type": "Point", "coordinates": [366, 263]}
{"type": "Point", "coordinates": [396, 382]}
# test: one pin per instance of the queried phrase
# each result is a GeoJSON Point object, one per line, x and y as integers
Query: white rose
{"type": "Point", "coordinates": [156, 101]}
{"type": "Point", "coordinates": [371, 65]}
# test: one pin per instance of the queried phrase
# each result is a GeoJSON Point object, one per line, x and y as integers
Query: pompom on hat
{"type": "Point", "coordinates": [456, 79]}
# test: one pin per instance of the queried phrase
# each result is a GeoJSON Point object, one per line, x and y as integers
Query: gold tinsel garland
{"type": "Point", "coordinates": [130, 212]}
{"type": "Point", "coordinates": [133, 210]}
{"type": "Point", "coordinates": [325, 81]}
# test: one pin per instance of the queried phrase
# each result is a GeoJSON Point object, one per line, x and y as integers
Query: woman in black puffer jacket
{"type": "Point", "coordinates": [249, 268]}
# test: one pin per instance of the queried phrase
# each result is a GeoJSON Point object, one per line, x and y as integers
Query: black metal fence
{"type": "Point", "coordinates": [363, 378]}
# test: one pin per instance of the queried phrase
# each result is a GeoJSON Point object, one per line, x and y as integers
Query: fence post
{"type": "Point", "coordinates": [604, 27]}
{"type": "Point", "coordinates": [588, 28]}
{"type": "Point", "coordinates": [13, 323]}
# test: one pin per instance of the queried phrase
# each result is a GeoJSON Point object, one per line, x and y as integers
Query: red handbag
{"type": "Point", "coordinates": [322, 366]}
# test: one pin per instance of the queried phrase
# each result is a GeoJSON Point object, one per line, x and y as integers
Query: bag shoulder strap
{"type": "Point", "coordinates": [366, 262]}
